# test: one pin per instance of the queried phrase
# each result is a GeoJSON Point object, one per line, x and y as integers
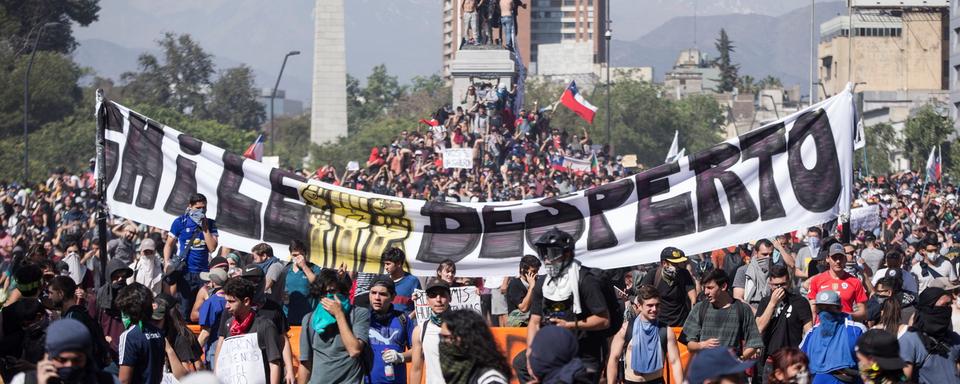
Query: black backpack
{"type": "Point", "coordinates": [732, 261]}
{"type": "Point", "coordinates": [609, 297]}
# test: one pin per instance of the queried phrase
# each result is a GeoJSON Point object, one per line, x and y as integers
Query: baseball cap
{"type": "Point", "coordinates": [942, 283]}
{"type": "Point", "coordinates": [883, 347]}
{"type": "Point", "coordinates": [828, 297]}
{"type": "Point", "coordinates": [252, 271]}
{"type": "Point", "coordinates": [385, 282]}
{"type": "Point", "coordinates": [438, 284]}
{"type": "Point", "coordinates": [715, 362]}
{"type": "Point", "coordinates": [218, 262]}
{"type": "Point", "coordinates": [216, 275]}
{"type": "Point", "coordinates": [147, 244]}
{"type": "Point", "coordinates": [836, 249]}
{"type": "Point", "coordinates": [673, 255]}
{"type": "Point", "coordinates": [67, 335]}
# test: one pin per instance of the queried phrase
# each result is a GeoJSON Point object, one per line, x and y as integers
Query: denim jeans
{"type": "Point", "coordinates": [187, 287]}
{"type": "Point", "coordinates": [507, 30]}
{"type": "Point", "coordinates": [470, 28]}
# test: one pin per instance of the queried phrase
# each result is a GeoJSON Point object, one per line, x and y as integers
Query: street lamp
{"type": "Point", "coordinates": [274, 95]}
{"type": "Point", "coordinates": [606, 36]}
{"type": "Point", "coordinates": [26, 104]}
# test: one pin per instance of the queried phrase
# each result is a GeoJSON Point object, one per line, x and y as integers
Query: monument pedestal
{"type": "Point", "coordinates": [475, 64]}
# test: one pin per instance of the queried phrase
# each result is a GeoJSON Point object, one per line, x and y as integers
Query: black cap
{"type": "Point", "coordinates": [673, 255]}
{"type": "Point", "coordinates": [252, 271]}
{"type": "Point", "coordinates": [386, 282]}
{"type": "Point", "coordinates": [883, 347]}
{"type": "Point", "coordinates": [438, 284]}
{"type": "Point", "coordinates": [218, 262]}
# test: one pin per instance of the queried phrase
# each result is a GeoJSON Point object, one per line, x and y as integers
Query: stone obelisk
{"type": "Point", "coordinates": [329, 112]}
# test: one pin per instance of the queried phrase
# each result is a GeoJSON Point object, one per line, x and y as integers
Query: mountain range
{"type": "Point", "coordinates": [771, 36]}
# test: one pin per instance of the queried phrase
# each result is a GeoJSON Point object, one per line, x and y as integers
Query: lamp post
{"type": "Point", "coordinates": [26, 104]}
{"type": "Point", "coordinates": [273, 95]}
{"type": "Point", "coordinates": [606, 36]}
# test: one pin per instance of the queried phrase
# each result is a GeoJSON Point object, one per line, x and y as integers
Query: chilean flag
{"type": "Point", "coordinates": [573, 100]}
{"type": "Point", "coordinates": [933, 165]}
{"type": "Point", "coordinates": [255, 150]}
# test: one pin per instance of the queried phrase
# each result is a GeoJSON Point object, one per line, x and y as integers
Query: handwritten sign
{"type": "Point", "coordinates": [240, 360]}
{"type": "Point", "coordinates": [866, 218]}
{"type": "Point", "coordinates": [458, 158]}
{"type": "Point", "coordinates": [460, 298]}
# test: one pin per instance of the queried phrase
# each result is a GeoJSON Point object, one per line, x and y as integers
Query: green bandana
{"type": "Point", "coordinates": [125, 318]}
{"type": "Point", "coordinates": [322, 319]}
{"type": "Point", "coordinates": [457, 367]}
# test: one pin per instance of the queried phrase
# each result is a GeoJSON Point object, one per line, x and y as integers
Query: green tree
{"type": "Point", "coordinates": [21, 20]}
{"type": "Point", "coordinates": [728, 70]}
{"type": "Point", "coordinates": [53, 90]}
{"type": "Point", "coordinates": [66, 143]}
{"type": "Point", "coordinates": [746, 84]}
{"type": "Point", "coordinates": [771, 82]}
{"type": "Point", "coordinates": [210, 131]}
{"type": "Point", "coordinates": [292, 140]}
{"type": "Point", "coordinates": [179, 82]}
{"type": "Point", "coordinates": [928, 126]}
{"type": "Point", "coordinates": [233, 100]}
{"type": "Point", "coordinates": [882, 144]}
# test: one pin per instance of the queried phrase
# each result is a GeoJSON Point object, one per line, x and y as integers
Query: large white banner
{"type": "Point", "coordinates": [788, 174]}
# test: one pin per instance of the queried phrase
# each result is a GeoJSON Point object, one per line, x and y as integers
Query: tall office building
{"type": "Point", "coordinates": [579, 23]}
{"type": "Point", "coordinates": [328, 118]}
{"type": "Point", "coordinates": [897, 45]}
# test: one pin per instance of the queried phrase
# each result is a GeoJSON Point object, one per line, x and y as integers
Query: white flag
{"type": "Point", "coordinates": [672, 155]}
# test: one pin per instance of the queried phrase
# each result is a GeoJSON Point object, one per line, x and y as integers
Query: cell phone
{"type": "Point", "coordinates": [620, 291]}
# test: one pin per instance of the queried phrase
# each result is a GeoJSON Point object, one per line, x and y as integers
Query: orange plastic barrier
{"type": "Point", "coordinates": [510, 340]}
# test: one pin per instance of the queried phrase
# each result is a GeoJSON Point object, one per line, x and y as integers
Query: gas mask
{"type": "Point", "coordinates": [554, 261]}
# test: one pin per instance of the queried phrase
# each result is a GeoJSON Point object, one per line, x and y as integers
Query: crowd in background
{"type": "Point", "coordinates": [827, 303]}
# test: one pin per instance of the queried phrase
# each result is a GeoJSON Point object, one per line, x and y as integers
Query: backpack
{"type": "Point", "coordinates": [661, 329]}
{"type": "Point", "coordinates": [611, 299]}
{"type": "Point", "coordinates": [732, 261]}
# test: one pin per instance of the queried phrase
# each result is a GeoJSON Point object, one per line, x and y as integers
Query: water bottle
{"type": "Point", "coordinates": [388, 372]}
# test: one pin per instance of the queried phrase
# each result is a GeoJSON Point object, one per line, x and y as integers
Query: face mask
{"type": "Point", "coordinates": [814, 242]}
{"type": "Point", "coordinates": [775, 256]}
{"type": "Point", "coordinates": [669, 271]}
{"type": "Point", "coordinates": [881, 299]}
{"type": "Point", "coordinates": [764, 264]}
{"type": "Point", "coordinates": [196, 215]}
{"type": "Point", "coordinates": [70, 374]}
{"type": "Point", "coordinates": [118, 284]}
{"type": "Point", "coordinates": [73, 254]}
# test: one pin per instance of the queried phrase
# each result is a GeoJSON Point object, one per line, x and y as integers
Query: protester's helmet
{"type": "Point", "coordinates": [555, 248]}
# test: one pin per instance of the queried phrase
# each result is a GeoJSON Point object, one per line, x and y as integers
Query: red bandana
{"type": "Point", "coordinates": [241, 327]}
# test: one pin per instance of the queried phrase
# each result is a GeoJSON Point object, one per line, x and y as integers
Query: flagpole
{"type": "Point", "coordinates": [101, 184]}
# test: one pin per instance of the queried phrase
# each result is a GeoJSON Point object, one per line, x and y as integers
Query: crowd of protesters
{"type": "Point", "coordinates": [824, 304]}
